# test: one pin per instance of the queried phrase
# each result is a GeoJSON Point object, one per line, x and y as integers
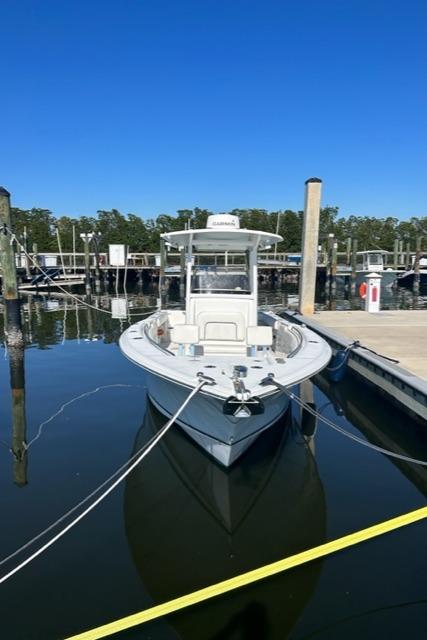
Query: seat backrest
{"type": "Point", "coordinates": [224, 325]}
{"type": "Point", "coordinates": [221, 318]}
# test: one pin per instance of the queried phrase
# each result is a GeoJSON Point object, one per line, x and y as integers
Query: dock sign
{"type": "Point", "coordinates": [117, 253]}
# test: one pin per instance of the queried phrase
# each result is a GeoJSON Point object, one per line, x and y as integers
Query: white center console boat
{"type": "Point", "coordinates": [222, 336]}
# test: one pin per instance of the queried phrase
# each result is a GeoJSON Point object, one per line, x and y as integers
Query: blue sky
{"type": "Point", "coordinates": [149, 106]}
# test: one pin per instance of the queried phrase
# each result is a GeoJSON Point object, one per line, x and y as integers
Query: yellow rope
{"type": "Point", "coordinates": [251, 576]}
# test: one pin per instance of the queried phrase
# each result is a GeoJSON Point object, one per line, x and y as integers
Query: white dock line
{"type": "Point", "coordinates": [145, 450]}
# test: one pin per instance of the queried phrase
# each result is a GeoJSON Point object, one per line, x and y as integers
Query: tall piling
{"type": "Point", "coordinates": [87, 237]}
{"type": "Point", "coordinates": [348, 252]}
{"type": "Point", "coordinates": [408, 255]}
{"type": "Point", "coordinates": [416, 285]}
{"type": "Point", "coordinates": [353, 267]}
{"type": "Point", "coordinates": [11, 299]}
{"type": "Point", "coordinates": [401, 254]}
{"type": "Point", "coordinates": [334, 261]}
{"type": "Point", "coordinates": [26, 258]}
{"type": "Point", "coordinates": [35, 254]}
{"type": "Point", "coordinates": [396, 254]}
{"type": "Point", "coordinates": [162, 284]}
{"type": "Point", "coordinates": [96, 240]}
{"type": "Point", "coordinates": [310, 241]}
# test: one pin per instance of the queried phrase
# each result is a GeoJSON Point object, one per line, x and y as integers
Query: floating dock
{"type": "Point", "coordinates": [401, 335]}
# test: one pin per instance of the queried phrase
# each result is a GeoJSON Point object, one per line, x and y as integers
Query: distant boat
{"type": "Point", "coordinates": [222, 335]}
{"type": "Point", "coordinates": [373, 262]}
{"type": "Point", "coordinates": [407, 278]}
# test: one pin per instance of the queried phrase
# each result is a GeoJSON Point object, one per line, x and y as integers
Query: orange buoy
{"type": "Point", "coordinates": [362, 290]}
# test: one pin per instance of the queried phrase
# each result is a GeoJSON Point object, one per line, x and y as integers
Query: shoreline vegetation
{"type": "Point", "coordinates": [40, 226]}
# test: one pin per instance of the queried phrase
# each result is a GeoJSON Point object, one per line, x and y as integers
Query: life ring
{"type": "Point", "coordinates": [362, 290]}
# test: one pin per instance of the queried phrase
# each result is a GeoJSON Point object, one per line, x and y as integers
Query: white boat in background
{"type": "Point", "coordinates": [407, 278]}
{"type": "Point", "coordinates": [222, 336]}
{"type": "Point", "coordinates": [373, 261]}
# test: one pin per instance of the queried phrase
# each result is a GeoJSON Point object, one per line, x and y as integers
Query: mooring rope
{"type": "Point", "coordinates": [79, 397]}
{"type": "Point", "coordinates": [145, 450]}
{"type": "Point", "coordinates": [270, 380]}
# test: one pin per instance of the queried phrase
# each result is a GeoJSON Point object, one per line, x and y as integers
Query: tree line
{"type": "Point", "coordinates": [41, 227]}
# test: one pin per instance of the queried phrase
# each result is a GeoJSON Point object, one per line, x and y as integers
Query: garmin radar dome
{"type": "Point", "coordinates": [222, 221]}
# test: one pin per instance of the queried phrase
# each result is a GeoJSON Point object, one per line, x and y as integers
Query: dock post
{"type": "Point", "coordinates": [35, 253]}
{"type": "Point", "coordinates": [348, 252]}
{"type": "Point", "coordinates": [96, 239]}
{"type": "Point", "coordinates": [87, 237]}
{"type": "Point", "coordinates": [353, 266]}
{"type": "Point", "coordinates": [162, 271]}
{"type": "Point", "coordinates": [9, 278]}
{"type": "Point", "coordinates": [416, 286]}
{"type": "Point", "coordinates": [396, 254]}
{"type": "Point", "coordinates": [408, 255]}
{"type": "Point", "coordinates": [310, 240]}
{"type": "Point", "coordinates": [334, 260]}
{"type": "Point", "coordinates": [26, 258]}
{"type": "Point", "coordinates": [182, 272]}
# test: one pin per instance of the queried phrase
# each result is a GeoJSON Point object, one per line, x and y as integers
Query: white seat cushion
{"type": "Point", "coordinates": [260, 336]}
{"type": "Point", "coordinates": [185, 334]}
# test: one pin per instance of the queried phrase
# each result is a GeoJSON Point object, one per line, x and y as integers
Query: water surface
{"type": "Point", "coordinates": [180, 521]}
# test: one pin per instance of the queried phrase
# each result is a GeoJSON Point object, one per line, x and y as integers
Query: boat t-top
{"type": "Point", "coordinates": [221, 336]}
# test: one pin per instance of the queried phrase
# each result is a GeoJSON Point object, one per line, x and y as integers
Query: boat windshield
{"type": "Point", "coordinates": [220, 280]}
{"type": "Point", "coordinates": [373, 260]}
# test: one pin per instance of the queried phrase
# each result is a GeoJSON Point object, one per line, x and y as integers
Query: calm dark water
{"type": "Point", "coordinates": [180, 522]}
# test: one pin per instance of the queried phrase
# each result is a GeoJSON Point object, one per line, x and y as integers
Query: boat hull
{"type": "Point", "coordinates": [224, 437]}
{"type": "Point", "coordinates": [408, 279]}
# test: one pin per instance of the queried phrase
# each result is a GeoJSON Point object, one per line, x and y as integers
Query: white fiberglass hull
{"type": "Point", "coordinates": [229, 412]}
{"type": "Point", "coordinates": [224, 437]}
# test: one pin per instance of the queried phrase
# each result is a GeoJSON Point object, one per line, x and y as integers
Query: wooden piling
{"type": "Point", "coordinates": [348, 252]}
{"type": "Point", "coordinates": [396, 255]}
{"type": "Point", "coordinates": [86, 237]}
{"type": "Point", "coordinates": [35, 253]}
{"type": "Point", "coordinates": [310, 240]}
{"type": "Point", "coordinates": [14, 335]}
{"type": "Point", "coordinates": [334, 261]}
{"type": "Point", "coordinates": [408, 255]}
{"type": "Point", "coordinates": [416, 285]}
{"type": "Point", "coordinates": [97, 270]}
{"type": "Point", "coordinates": [162, 266]}
{"type": "Point", "coordinates": [26, 258]}
{"type": "Point", "coordinates": [353, 266]}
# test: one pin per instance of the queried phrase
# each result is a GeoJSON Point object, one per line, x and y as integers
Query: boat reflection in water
{"type": "Point", "coordinates": [191, 523]}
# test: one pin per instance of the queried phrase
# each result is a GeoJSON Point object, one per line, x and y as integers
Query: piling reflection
{"type": "Point", "coordinates": [191, 523]}
{"type": "Point", "coordinates": [19, 422]}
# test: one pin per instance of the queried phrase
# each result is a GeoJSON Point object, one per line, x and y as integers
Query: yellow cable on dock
{"type": "Point", "coordinates": [251, 576]}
